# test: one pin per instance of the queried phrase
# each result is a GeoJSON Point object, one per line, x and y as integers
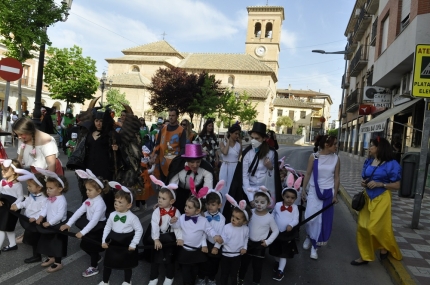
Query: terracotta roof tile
{"type": "Point", "coordinates": [160, 47]}
{"type": "Point", "coordinates": [284, 102]}
{"type": "Point", "coordinates": [253, 92]}
{"type": "Point", "coordinates": [139, 58]}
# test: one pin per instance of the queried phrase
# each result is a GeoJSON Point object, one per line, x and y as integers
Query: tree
{"type": "Point", "coordinates": [114, 97]}
{"type": "Point", "coordinates": [284, 121]}
{"type": "Point", "coordinates": [70, 76]}
{"type": "Point", "coordinates": [248, 113]}
{"type": "Point", "coordinates": [229, 108]}
{"type": "Point", "coordinates": [332, 132]}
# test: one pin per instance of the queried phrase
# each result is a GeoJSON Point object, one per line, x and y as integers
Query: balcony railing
{"type": "Point", "coordinates": [359, 61]}
{"type": "Point", "coordinates": [374, 31]}
{"type": "Point", "coordinates": [353, 100]}
{"type": "Point", "coordinates": [372, 6]}
{"type": "Point", "coordinates": [345, 84]}
{"type": "Point", "coordinates": [362, 23]}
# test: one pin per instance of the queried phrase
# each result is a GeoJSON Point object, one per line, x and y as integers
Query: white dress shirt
{"type": "Point", "coordinates": [285, 218]}
{"type": "Point", "coordinates": [183, 180]}
{"type": "Point", "coordinates": [32, 206]}
{"type": "Point", "coordinates": [132, 223]}
{"type": "Point", "coordinates": [14, 191]}
{"type": "Point", "coordinates": [217, 226]}
{"type": "Point", "coordinates": [235, 239]}
{"type": "Point", "coordinates": [260, 226]}
{"type": "Point", "coordinates": [95, 213]}
{"type": "Point", "coordinates": [55, 212]}
{"type": "Point", "coordinates": [193, 234]}
{"type": "Point", "coordinates": [165, 220]}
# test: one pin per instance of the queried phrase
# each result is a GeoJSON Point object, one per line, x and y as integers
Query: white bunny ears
{"type": "Point", "coordinates": [49, 173]}
{"type": "Point", "coordinates": [217, 189]}
{"type": "Point", "coordinates": [264, 190]}
{"type": "Point", "coordinates": [6, 162]}
{"type": "Point", "coordinates": [291, 184]}
{"type": "Point", "coordinates": [26, 175]}
{"type": "Point", "coordinates": [88, 174]}
{"type": "Point", "coordinates": [118, 186]}
{"type": "Point", "coordinates": [241, 206]}
{"type": "Point", "coordinates": [171, 187]}
{"type": "Point", "coordinates": [202, 192]}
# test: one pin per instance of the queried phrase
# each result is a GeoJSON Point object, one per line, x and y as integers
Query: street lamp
{"type": "Point", "coordinates": [103, 84]}
{"type": "Point", "coordinates": [344, 52]}
{"type": "Point", "coordinates": [39, 82]}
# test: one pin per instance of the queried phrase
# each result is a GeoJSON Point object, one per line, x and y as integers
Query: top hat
{"type": "Point", "coordinates": [259, 128]}
{"type": "Point", "coordinates": [193, 151]}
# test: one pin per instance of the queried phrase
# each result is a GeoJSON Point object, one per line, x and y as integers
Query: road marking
{"type": "Point", "coordinates": [10, 69]}
{"type": "Point", "coordinates": [17, 271]}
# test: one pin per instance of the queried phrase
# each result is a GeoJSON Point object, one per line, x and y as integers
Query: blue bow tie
{"type": "Point", "coordinates": [34, 196]}
{"type": "Point", "coordinates": [216, 218]}
{"type": "Point", "coordinates": [194, 219]}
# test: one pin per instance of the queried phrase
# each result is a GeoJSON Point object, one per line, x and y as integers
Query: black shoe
{"type": "Point", "coordinates": [383, 255]}
{"type": "Point", "coordinates": [275, 267]}
{"type": "Point", "coordinates": [33, 259]}
{"type": "Point", "coordinates": [9, 248]}
{"type": "Point", "coordinates": [355, 263]}
{"type": "Point", "coordinates": [278, 275]}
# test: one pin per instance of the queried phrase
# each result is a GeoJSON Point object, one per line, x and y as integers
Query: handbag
{"type": "Point", "coordinates": [358, 200]}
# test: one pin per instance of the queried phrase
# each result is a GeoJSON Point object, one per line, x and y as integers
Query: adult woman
{"type": "Point", "coordinates": [271, 140]}
{"type": "Point", "coordinates": [38, 149]}
{"type": "Point", "coordinates": [231, 150]}
{"type": "Point", "coordinates": [209, 142]}
{"type": "Point", "coordinates": [145, 138]}
{"type": "Point", "coordinates": [381, 173]}
{"type": "Point", "coordinates": [322, 175]}
{"type": "Point", "coordinates": [187, 126]}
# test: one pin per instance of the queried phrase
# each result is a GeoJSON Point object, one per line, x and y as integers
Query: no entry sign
{"type": "Point", "coordinates": [10, 69]}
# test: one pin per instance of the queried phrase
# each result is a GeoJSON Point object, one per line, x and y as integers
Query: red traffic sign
{"type": "Point", "coordinates": [10, 69]}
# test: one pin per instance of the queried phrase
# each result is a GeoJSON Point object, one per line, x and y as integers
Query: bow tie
{"type": "Point", "coordinates": [34, 196]}
{"type": "Point", "coordinates": [216, 218]}
{"type": "Point", "coordinates": [194, 219]}
{"type": "Point", "coordinates": [187, 168]}
{"type": "Point", "coordinates": [4, 183]}
{"type": "Point", "coordinates": [52, 199]}
{"type": "Point", "coordinates": [163, 212]}
{"type": "Point", "coordinates": [88, 203]}
{"type": "Point", "coordinates": [122, 219]}
{"type": "Point", "coordinates": [289, 208]}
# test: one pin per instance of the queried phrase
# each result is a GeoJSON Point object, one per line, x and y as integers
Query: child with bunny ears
{"type": "Point", "coordinates": [121, 236]}
{"type": "Point", "coordinates": [193, 226]}
{"type": "Point", "coordinates": [11, 192]}
{"type": "Point", "coordinates": [161, 230]}
{"type": "Point", "coordinates": [33, 204]}
{"type": "Point", "coordinates": [286, 214]}
{"type": "Point", "coordinates": [52, 216]}
{"type": "Point", "coordinates": [235, 240]}
{"type": "Point", "coordinates": [93, 222]}
{"type": "Point", "coordinates": [260, 226]}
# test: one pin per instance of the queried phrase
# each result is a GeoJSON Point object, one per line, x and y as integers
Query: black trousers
{"type": "Point", "coordinates": [229, 268]}
{"type": "Point", "coordinates": [209, 268]}
{"type": "Point", "coordinates": [154, 273]}
{"type": "Point", "coordinates": [189, 273]}
{"type": "Point", "coordinates": [108, 271]}
{"type": "Point", "coordinates": [94, 256]}
{"type": "Point", "coordinates": [257, 267]}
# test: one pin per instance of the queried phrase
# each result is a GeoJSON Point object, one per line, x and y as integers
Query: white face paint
{"type": "Point", "coordinates": [260, 203]}
{"type": "Point", "coordinates": [255, 143]}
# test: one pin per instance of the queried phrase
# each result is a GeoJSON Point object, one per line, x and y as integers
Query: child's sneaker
{"type": "Point", "coordinates": [90, 272]}
{"type": "Point", "coordinates": [278, 275]}
{"type": "Point", "coordinates": [211, 282]}
{"type": "Point", "coordinates": [200, 282]}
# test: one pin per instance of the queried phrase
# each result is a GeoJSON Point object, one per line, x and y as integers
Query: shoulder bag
{"type": "Point", "coordinates": [358, 200]}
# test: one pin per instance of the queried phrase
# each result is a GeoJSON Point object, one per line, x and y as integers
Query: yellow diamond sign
{"type": "Point", "coordinates": [421, 78]}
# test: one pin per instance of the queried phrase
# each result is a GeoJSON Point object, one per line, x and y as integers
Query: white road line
{"type": "Point", "coordinates": [17, 271]}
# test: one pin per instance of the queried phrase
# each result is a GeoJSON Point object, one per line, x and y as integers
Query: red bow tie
{"type": "Point", "coordinates": [187, 168]}
{"type": "Point", "coordinates": [52, 199]}
{"type": "Point", "coordinates": [88, 203]}
{"type": "Point", "coordinates": [171, 213]}
{"type": "Point", "coordinates": [4, 183]}
{"type": "Point", "coordinates": [289, 208]}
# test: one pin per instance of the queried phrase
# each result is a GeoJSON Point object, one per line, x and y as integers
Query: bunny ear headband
{"type": "Point", "coordinates": [26, 175]}
{"type": "Point", "coordinates": [291, 184]}
{"type": "Point", "coordinates": [217, 189]}
{"type": "Point", "coordinates": [241, 206]}
{"type": "Point", "coordinates": [202, 192]}
{"type": "Point", "coordinates": [49, 173]}
{"type": "Point", "coordinates": [282, 162]}
{"type": "Point", "coordinates": [89, 175]}
{"type": "Point", "coordinates": [6, 162]}
{"type": "Point", "coordinates": [171, 187]}
{"type": "Point", "coordinates": [264, 190]}
{"type": "Point", "coordinates": [118, 186]}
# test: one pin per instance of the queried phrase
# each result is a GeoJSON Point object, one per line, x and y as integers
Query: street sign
{"type": "Point", "coordinates": [421, 78]}
{"type": "Point", "coordinates": [10, 69]}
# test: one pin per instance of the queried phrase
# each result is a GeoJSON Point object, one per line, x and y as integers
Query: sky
{"type": "Point", "coordinates": [102, 28]}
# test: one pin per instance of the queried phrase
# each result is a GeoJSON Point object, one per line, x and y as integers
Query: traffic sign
{"type": "Point", "coordinates": [421, 78]}
{"type": "Point", "coordinates": [10, 69]}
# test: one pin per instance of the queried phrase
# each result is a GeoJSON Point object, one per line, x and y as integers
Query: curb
{"type": "Point", "coordinates": [397, 271]}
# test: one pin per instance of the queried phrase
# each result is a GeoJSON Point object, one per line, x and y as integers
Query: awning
{"type": "Point", "coordinates": [378, 124]}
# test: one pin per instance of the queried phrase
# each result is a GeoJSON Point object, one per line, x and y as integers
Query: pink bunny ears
{"type": "Point", "coordinates": [217, 189]}
{"type": "Point", "coordinates": [118, 186]}
{"type": "Point", "coordinates": [291, 184]}
{"type": "Point", "coordinates": [170, 187]}
{"type": "Point", "coordinates": [26, 175]}
{"type": "Point", "coordinates": [281, 162]}
{"type": "Point", "coordinates": [89, 175]}
{"type": "Point", "coordinates": [49, 173]}
{"type": "Point", "coordinates": [6, 162]}
{"type": "Point", "coordinates": [241, 206]}
{"type": "Point", "coordinates": [202, 192]}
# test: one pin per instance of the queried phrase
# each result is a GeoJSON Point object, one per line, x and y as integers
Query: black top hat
{"type": "Point", "coordinates": [259, 128]}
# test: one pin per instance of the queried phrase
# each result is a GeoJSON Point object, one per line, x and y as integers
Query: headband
{"type": "Point", "coordinates": [241, 206]}
{"type": "Point", "coordinates": [6, 162]}
{"type": "Point", "coordinates": [202, 192]}
{"type": "Point", "coordinates": [217, 189]}
{"type": "Point", "coordinates": [291, 184]}
{"type": "Point", "coordinates": [89, 175]}
{"type": "Point", "coordinates": [118, 186]}
{"type": "Point", "coordinates": [26, 175]}
{"type": "Point", "coordinates": [171, 187]}
{"type": "Point", "coordinates": [49, 173]}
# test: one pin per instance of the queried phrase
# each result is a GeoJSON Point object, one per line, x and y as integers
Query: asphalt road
{"type": "Point", "coordinates": [332, 267]}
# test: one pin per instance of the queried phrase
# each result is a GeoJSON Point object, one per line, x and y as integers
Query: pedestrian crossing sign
{"type": "Point", "coordinates": [421, 73]}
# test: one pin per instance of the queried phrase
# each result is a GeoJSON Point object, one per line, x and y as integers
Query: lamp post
{"type": "Point", "coordinates": [103, 84]}
{"type": "Point", "coordinates": [39, 82]}
{"type": "Point", "coordinates": [344, 52]}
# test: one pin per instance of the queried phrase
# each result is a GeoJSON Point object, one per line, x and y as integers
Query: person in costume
{"type": "Point", "coordinates": [52, 216]}
{"type": "Point", "coordinates": [374, 227]}
{"type": "Point", "coordinates": [322, 176]}
{"type": "Point", "coordinates": [91, 224]}
{"type": "Point", "coordinates": [193, 226]}
{"type": "Point", "coordinates": [67, 122]}
{"type": "Point", "coordinates": [190, 134]}
{"type": "Point", "coordinates": [33, 204]}
{"type": "Point", "coordinates": [235, 240]}
{"type": "Point", "coordinates": [147, 169]}
{"type": "Point", "coordinates": [11, 192]}
{"type": "Point", "coordinates": [189, 165]}
{"type": "Point", "coordinates": [71, 144]}
{"type": "Point", "coordinates": [162, 233]}
{"type": "Point", "coordinates": [209, 269]}
{"type": "Point", "coordinates": [209, 141]}
{"type": "Point", "coordinates": [262, 232]}
{"type": "Point", "coordinates": [286, 215]}
{"type": "Point", "coordinates": [231, 150]}
{"type": "Point", "coordinates": [121, 236]}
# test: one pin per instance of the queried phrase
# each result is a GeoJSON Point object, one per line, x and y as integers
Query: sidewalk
{"type": "Point", "coordinates": [414, 243]}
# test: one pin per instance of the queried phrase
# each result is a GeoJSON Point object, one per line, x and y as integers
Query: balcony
{"type": "Point", "coordinates": [345, 84]}
{"type": "Point", "coordinates": [351, 45]}
{"type": "Point", "coordinates": [372, 6]}
{"type": "Point", "coordinates": [361, 25]}
{"type": "Point", "coordinates": [374, 31]}
{"type": "Point", "coordinates": [359, 61]}
{"type": "Point", "coordinates": [353, 100]}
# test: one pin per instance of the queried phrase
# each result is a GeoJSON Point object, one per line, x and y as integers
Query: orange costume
{"type": "Point", "coordinates": [168, 148]}
{"type": "Point", "coordinates": [146, 171]}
